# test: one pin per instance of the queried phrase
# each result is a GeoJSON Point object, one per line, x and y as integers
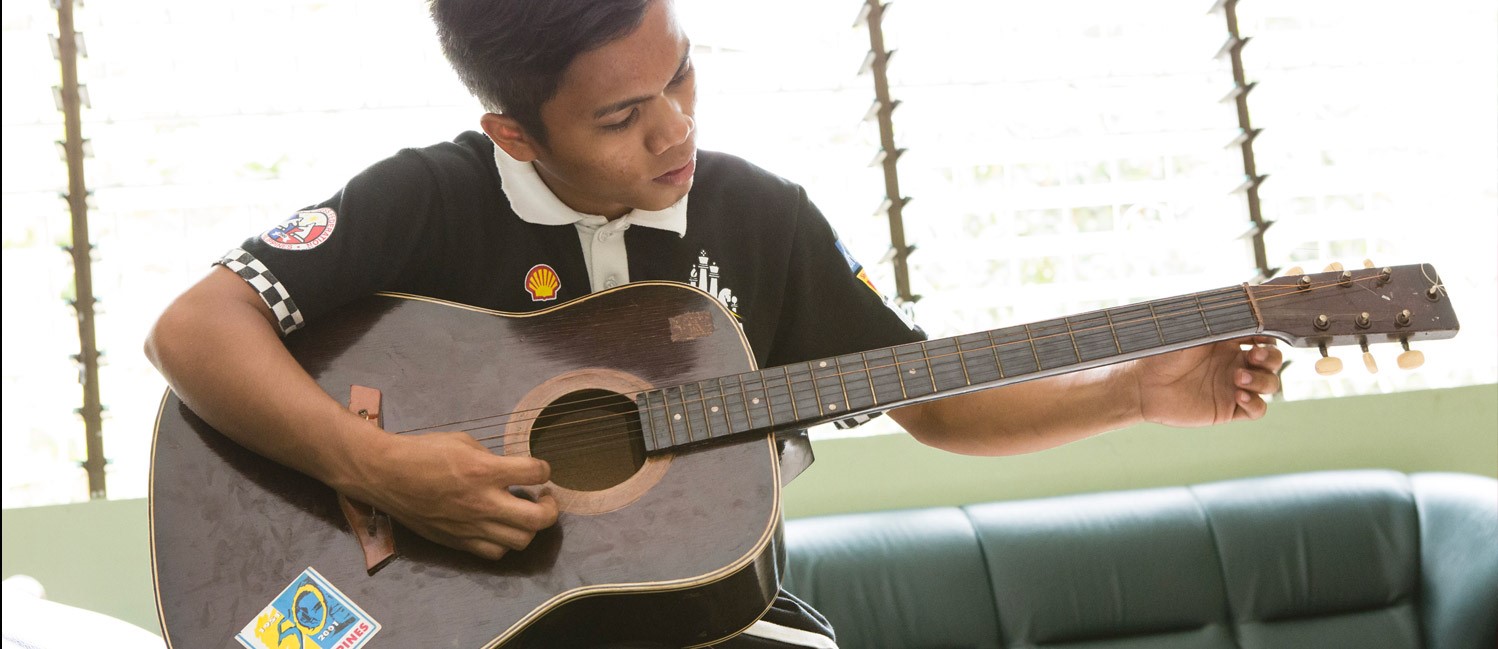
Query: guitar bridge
{"type": "Point", "coordinates": [370, 526]}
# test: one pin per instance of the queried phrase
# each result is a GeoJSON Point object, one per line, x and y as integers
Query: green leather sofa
{"type": "Point", "coordinates": [1356, 559]}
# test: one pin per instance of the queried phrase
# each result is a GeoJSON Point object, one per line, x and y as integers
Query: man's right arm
{"type": "Point", "coordinates": [218, 347]}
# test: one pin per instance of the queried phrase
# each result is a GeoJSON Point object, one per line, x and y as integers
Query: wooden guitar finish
{"type": "Point", "coordinates": [688, 555]}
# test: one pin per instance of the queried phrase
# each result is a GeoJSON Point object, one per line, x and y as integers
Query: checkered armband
{"type": "Point", "coordinates": [244, 264]}
{"type": "Point", "coordinates": [855, 421]}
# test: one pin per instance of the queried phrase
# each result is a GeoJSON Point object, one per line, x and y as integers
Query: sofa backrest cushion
{"type": "Point", "coordinates": [1367, 559]}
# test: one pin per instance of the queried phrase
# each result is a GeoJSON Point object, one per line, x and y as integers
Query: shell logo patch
{"type": "Point", "coordinates": [542, 283]}
{"type": "Point", "coordinates": [304, 230]}
{"type": "Point", "coordinates": [309, 613]}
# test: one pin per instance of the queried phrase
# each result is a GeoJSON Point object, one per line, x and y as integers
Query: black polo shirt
{"type": "Point", "coordinates": [434, 221]}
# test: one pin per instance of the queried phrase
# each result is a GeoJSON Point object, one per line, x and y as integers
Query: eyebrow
{"type": "Point", "coordinates": [617, 106]}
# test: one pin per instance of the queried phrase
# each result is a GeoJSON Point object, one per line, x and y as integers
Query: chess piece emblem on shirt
{"type": "Point", "coordinates": [705, 276]}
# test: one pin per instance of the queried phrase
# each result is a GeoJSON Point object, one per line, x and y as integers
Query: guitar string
{"type": "Point", "coordinates": [810, 378]}
{"type": "Point", "coordinates": [710, 420]}
{"type": "Point", "coordinates": [1156, 316]}
{"type": "Point", "coordinates": [1264, 293]}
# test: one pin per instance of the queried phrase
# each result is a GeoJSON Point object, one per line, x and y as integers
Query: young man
{"type": "Point", "coordinates": [589, 177]}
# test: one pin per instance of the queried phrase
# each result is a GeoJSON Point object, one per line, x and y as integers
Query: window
{"type": "Point", "coordinates": [1063, 156]}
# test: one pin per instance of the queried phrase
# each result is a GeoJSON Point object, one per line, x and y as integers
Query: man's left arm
{"type": "Point", "coordinates": [1199, 386]}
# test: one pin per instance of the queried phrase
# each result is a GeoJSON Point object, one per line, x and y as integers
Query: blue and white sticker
{"type": "Point", "coordinates": [310, 613]}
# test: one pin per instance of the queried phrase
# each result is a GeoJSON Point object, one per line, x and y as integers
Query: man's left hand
{"type": "Point", "coordinates": [1210, 384]}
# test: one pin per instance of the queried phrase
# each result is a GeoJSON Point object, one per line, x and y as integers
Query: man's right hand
{"type": "Point", "coordinates": [452, 490]}
{"type": "Point", "coordinates": [219, 348]}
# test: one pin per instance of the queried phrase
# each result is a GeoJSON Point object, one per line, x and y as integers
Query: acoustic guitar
{"type": "Point", "coordinates": [660, 431]}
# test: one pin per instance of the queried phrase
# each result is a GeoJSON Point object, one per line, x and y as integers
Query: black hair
{"type": "Point", "coordinates": [512, 53]}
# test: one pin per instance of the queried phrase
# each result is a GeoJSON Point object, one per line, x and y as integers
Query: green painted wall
{"type": "Point", "coordinates": [1432, 430]}
{"type": "Point", "coordinates": [96, 555]}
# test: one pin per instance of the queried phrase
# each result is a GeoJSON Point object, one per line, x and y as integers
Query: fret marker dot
{"type": "Point", "coordinates": [912, 372]}
{"type": "Point", "coordinates": [822, 364]}
{"type": "Point", "coordinates": [756, 401]}
{"type": "Point", "coordinates": [832, 407]}
{"type": "Point", "coordinates": [715, 408]}
{"type": "Point", "coordinates": [676, 417]}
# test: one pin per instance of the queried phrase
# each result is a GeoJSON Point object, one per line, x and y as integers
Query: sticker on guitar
{"type": "Point", "coordinates": [309, 613]}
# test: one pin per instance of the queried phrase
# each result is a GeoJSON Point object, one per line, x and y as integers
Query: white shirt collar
{"type": "Point", "coordinates": [534, 202]}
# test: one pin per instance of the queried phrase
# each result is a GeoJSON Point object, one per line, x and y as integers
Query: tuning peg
{"type": "Point", "coordinates": [1328, 365]}
{"type": "Point", "coordinates": [1368, 361]}
{"type": "Point", "coordinates": [1294, 270]}
{"type": "Point", "coordinates": [1368, 263]}
{"type": "Point", "coordinates": [1411, 358]}
{"type": "Point", "coordinates": [1333, 268]}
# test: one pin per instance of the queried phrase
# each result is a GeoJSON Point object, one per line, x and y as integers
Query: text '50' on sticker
{"type": "Point", "coordinates": [309, 613]}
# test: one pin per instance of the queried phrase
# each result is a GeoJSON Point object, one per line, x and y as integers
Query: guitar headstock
{"type": "Point", "coordinates": [1356, 307]}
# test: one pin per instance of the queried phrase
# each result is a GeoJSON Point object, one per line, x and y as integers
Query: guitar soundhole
{"type": "Point", "coordinates": [591, 438]}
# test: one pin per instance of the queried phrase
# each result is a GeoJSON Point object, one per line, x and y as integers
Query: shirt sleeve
{"type": "Point", "coordinates": [831, 308]}
{"type": "Point", "coordinates": [353, 244]}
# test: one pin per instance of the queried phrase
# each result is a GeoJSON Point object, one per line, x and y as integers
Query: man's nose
{"type": "Point", "coordinates": [676, 126]}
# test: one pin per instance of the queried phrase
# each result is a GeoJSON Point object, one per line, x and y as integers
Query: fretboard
{"type": "Point", "coordinates": [805, 394]}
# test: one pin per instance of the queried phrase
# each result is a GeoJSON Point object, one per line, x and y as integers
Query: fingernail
{"type": "Point", "coordinates": [1261, 354]}
{"type": "Point", "coordinates": [1244, 378]}
{"type": "Point", "coordinates": [1243, 397]}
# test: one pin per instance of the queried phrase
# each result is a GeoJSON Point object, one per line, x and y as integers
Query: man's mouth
{"type": "Point", "coordinates": [679, 175]}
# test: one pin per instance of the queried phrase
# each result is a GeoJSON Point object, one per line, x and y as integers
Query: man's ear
{"type": "Point", "coordinates": [508, 135]}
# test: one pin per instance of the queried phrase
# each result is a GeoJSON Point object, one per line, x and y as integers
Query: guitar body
{"type": "Point", "coordinates": [682, 549]}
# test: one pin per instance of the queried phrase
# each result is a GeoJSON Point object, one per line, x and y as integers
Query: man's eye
{"type": "Point", "coordinates": [685, 72]}
{"type": "Point", "coordinates": [623, 124]}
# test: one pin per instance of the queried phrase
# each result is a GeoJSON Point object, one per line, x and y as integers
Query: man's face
{"type": "Point", "coordinates": [620, 128]}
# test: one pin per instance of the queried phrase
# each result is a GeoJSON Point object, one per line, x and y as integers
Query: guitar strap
{"type": "Point", "coordinates": [371, 527]}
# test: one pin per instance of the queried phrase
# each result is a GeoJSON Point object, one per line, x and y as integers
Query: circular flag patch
{"type": "Point", "coordinates": [305, 230]}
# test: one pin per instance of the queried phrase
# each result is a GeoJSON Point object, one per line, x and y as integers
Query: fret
{"type": "Point", "coordinates": [1073, 336]}
{"type": "Point", "coordinates": [790, 390]}
{"type": "Point", "coordinates": [828, 388]}
{"type": "Point", "coordinates": [842, 382]}
{"type": "Point", "coordinates": [930, 371]}
{"type": "Point", "coordinates": [779, 390]}
{"type": "Point", "coordinates": [675, 419]}
{"type": "Point", "coordinates": [744, 409]}
{"type": "Point", "coordinates": [994, 348]}
{"type": "Point", "coordinates": [1136, 328]}
{"type": "Point", "coordinates": [1092, 336]}
{"type": "Point", "coordinates": [1196, 297]}
{"type": "Point", "coordinates": [804, 391]}
{"type": "Point", "coordinates": [756, 397]}
{"type": "Point", "coordinates": [979, 359]}
{"type": "Point", "coordinates": [1016, 350]}
{"type": "Point", "coordinates": [945, 360]}
{"type": "Point", "coordinates": [1053, 344]}
{"type": "Point", "coordinates": [655, 411]}
{"type": "Point", "coordinates": [1228, 310]}
{"type": "Point", "coordinates": [717, 408]}
{"type": "Point", "coordinates": [734, 404]}
{"type": "Point", "coordinates": [915, 370]}
{"type": "Point", "coordinates": [1155, 318]}
{"type": "Point", "coordinates": [694, 413]}
{"type": "Point", "coordinates": [868, 375]}
{"type": "Point", "coordinates": [1181, 320]}
{"type": "Point", "coordinates": [1117, 346]}
{"type": "Point", "coordinates": [858, 386]}
{"type": "Point", "coordinates": [885, 375]}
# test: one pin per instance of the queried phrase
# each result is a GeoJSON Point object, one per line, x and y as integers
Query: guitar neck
{"type": "Point", "coordinates": [815, 392]}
